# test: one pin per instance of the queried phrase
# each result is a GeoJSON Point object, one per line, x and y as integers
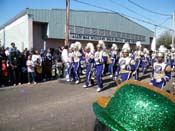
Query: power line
{"type": "Point", "coordinates": [121, 14]}
{"type": "Point", "coordinates": [165, 21]}
{"type": "Point", "coordinates": [117, 3]}
{"type": "Point", "coordinates": [157, 13]}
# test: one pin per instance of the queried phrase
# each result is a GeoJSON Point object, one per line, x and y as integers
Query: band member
{"type": "Point", "coordinates": [89, 60]}
{"type": "Point", "coordinates": [126, 65]}
{"type": "Point", "coordinates": [99, 66]}
{"type": "Point", "coordinates": [153, 57]}
{"type": "Point", "coordinates": [161, 71]}
{"type": "Point", "coordinates": [172, 60]}
{"type": "Point", "coordinates": [69, 63]}
{"type": "Point", "coordinates": [145, 60]}
{"type": "Point", "coordinates": [113, 56]}
{"type": "Point", "coordinates": [105, 56]}
{"type": "Point", "coordinates": [76, 60]}
{"type": "Point", "coordinates": [137, 58]}
{"type": "Point", "coordinates": [82, 58]}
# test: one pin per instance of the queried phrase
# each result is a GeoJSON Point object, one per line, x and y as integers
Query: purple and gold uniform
{"type": "Point", "coordinates": [144, 60]}
{"type": "Point", "coordinates": [76, 60]}
{"type": "Point", "coordinates": [99, 66]}
{"type": "Point", "coordinates": [137, 58]}
{"type": "Point", "coordinates": [124, 69]}
{"type": "Point", "coordinates": [126, 65]}
{"type": "Point", "coordinates": [113, 55]}
{"type": "Point", "coordinates": [161, 74]}
{"type": "Point", "coordinates": [69, 64]}
{"type": "Point", "coordinates": [89, 60]}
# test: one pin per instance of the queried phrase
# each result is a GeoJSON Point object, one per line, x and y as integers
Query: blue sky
{"type": "Point", "coordinates": [9, 8]}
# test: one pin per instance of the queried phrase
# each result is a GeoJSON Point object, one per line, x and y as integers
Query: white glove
{"type": "Point", "coordinates": [158, 80]}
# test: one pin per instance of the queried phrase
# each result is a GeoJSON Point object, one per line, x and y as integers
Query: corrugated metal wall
{"type": "Point", "coordinates": [100, 20]}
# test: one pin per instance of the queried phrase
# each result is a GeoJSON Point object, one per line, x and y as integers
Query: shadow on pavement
{"type": "Point", "coordinates": [145, 77]}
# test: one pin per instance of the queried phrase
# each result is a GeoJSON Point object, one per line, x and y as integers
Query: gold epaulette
{"type": "Point", "coordinates": [132, 62]}
{"type": "Point", "coordinates": [79, 54]}
{"type": "Point", "coordinates": [168, 69]}
{"type": "Point", "coordinates": [124, 71]}
{"type": "Point", "coordinates": [105, 54]}
{"type": "Point", "coordinates": [92, 56]}
{"type": "Point", "coordinates": [138, 57]}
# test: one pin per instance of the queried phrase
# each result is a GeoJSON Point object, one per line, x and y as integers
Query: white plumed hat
{"type": "Point", "coordinates": [126, 47]}
{"type": "Point", "coordinates": [72, 46]}
{"type": "Point", "coordinates": [78, 44]}
{"type": "Point", "coordinates": [161, 50]}
{"type": "Point", "coordinates": [91, 47]}
{"type": "Point", "coordinates": [114, 46]}
{"type": "Point", "coordinates": [138, 44]}
{"type": "Point", "coordinates": [102, 44]}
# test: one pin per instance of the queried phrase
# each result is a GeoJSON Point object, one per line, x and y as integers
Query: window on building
{"type": "Point", "coordinates": [87, 31]}
{"type": "Point", "coordinates": [79, 30]}
{"type": "Point", "coordinates": [101, 32]}
{"type": "Point", "coordinates": [119, 34]}
{"type": "Point", "coordinates": [107, 33]}
{"type": "Point", "coordinates": [113, 34]}
{"type": "Point", "coordinates": [71, 29]}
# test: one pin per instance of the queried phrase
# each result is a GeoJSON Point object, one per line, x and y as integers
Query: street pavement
{"type": "Point", "coordinates": [49, 106]}
{"type": "Point", "coordinates": [52, 106]}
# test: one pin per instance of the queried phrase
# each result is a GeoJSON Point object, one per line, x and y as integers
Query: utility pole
{"type": "Point", "coordinates": [155, 37]}
{"type": "Point", "coordinates": [153, 42]}
{"type": "Point", "coordinates": [173, 29]}
{"type": "Point", "coordinates": [67, 22]}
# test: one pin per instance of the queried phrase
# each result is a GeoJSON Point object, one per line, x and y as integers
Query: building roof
{"type": "Point", "coordinates": [27, 10]}
{"type": "Point", "coordinates": [92, 19]}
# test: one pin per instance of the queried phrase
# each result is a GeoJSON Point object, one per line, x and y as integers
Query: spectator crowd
{"type": "Point", "coordinates": [29, 66]}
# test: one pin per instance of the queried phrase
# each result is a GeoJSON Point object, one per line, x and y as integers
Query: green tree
{"type": "Point", "coordinates": [165, 39]}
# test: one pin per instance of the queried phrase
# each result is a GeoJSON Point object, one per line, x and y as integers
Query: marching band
{"type": "Point", "coordinates": [121, 64]}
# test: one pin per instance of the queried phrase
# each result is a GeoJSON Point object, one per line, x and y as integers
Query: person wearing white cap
{"type": "Point", "coordinates": [99, 66]}
{"type": "Point", "coordinates": [76, 61]}
{"type": "Point", "coordinates": [153, 57]}
{"type": "Point", "coordinates": [125, 65]}
{"type": "Point", "coordinates": [113, 55]}
{"type": "Point", "coordinates": [161, 72]}
{"type": "Point", "coordinates": [144, 60]}
{"type": "Point", "coordinates": [89, 60]}
{"type": "Point", "coordinates": [105, 56]}
{"type": "Point", "coordinates": [172, 58]}
{"type": "Point", "coordinates": [137, 58]}
{"type": "Point", "coordinates": [81, 58]}
{"type": "Point", "coordinates": [69, 63]}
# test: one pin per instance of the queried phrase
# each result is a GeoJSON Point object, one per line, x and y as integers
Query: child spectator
{"type": "Point", "coordinates": [30, 70]}
{"type": "Point", "coordinates": [4, 73]}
